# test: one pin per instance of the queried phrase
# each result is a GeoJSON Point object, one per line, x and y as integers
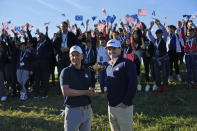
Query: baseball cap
{"type": "Point", "coordinates": [113, 43]}
{"type": "Point", "coordinates": [75, 48]}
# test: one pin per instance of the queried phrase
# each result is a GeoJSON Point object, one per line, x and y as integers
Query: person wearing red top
{"type": "Point", "coordinates": [190, 50]}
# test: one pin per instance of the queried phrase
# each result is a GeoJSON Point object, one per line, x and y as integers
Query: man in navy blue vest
{"type": "Point", "coordinates": [160, 57]}
{"type": "Point", "coordinates": [121, 83]}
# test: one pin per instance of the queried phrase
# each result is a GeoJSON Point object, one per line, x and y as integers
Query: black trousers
{"type": "Point", "coordinates": [10, 77]}
{"type": "Point", "coordinates": [42, 75]}
{"type": "Point", "coordinates": [173, 61]}
{"type": "Point", "coordinates": [148, 66]}
{"type": "Point", "coordinates": [63, 61]}
{"type": "Point", "coordinates": [138, 64]}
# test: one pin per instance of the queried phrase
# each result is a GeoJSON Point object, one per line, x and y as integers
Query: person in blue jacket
{"type": "Point", "coordinates": [121, 83]}
{"type": "Point", "coordinates": [24, 68]}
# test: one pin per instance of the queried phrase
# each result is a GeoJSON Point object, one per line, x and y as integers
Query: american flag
{"type": "Point", "coordinates": [5, 25]}
{"type": "Point", "coordinates": [165, 20]}
{"type": "Point", "coordinates": [9, 32]}
{"type": "Point", "coordinates": [13, 27]}
{"type": "Point", "coordinates": [23, 27]}
{"type": "Point", "coordinates": [138, 25]}
{"type": "Point", "coordinates": [104, 11]}
{"type": "Point", "coordinates": [31, 26]}
{"type": "Point", "coordinates": [47, 23]}
{"type": "Point", "coordinates": [142, 12]}
{"type": "Point", "coordinates": [119, 21]}
{"type": "Point", "coordinates": [101, 25]}
{"type": "Point", "coordinates": [128, 18]}
{"type": "Point", "coordinates": [135, 16]}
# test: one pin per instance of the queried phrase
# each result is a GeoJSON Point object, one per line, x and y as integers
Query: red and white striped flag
{"type": "Point", "coordinates": [196, 14]}
{"type": "Point", "coordinates": [101, 25]}
{"type": "Point", "coordinates": [142, 12]}
{"type": "Point", "coordinates": [165, 20]}
{"type": "Point", "coordinates": [5, 25]}
{"type": "Point", "coordinates": [9, 32]}
{"type": "Point", "coordinates": [47, 23]}
{"type": "Point", "coordinates": [23, 27]}
{"type": "Point", "coordinates": [128, 18]}
{"type": "Point", "coordinates": [71, 28]}
{"type": "Point", "coordinates": [119, 21]}
{"type": "Point", "coordinates": [104, 11]}
{"type": "Point", "coordinates": [31, 26]}
{"type": "Point", "coordinates": [138, 25]}
{"type": "Point", "coordinates": [13, 27]}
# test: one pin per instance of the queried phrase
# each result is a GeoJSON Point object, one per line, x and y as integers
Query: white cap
{"type": "Point", "coordinates": [113, 43]}
{"type": "Point", "coordinates": [75, 48]}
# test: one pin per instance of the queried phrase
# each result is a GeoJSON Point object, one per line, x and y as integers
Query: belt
{"type": "Point", "coordinates": [81, 107]}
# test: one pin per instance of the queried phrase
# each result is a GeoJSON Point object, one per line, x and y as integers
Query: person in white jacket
{"type": "Point", "coordinates": [173, 49]}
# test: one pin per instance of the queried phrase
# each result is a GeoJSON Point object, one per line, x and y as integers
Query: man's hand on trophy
{"type": "Point", "coordinates": [103, 95]}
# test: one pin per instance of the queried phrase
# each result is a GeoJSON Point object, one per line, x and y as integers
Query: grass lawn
{"type": "Point", "coordinates": [175, 110]}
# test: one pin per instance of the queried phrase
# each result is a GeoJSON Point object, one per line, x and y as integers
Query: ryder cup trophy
{"type": "Point", "coordinates": [97, 68]}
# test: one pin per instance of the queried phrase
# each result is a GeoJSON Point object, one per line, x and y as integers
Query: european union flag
{"type": "Point", "coordinates": [79, 18]}
{"type": "Point", "coordinates": [17, 28]}
{"type": "Point", "coordinates": [108, 19]}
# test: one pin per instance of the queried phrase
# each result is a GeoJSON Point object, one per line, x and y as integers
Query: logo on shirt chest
{"type": "Point", "coordinates": [86, 75]}
{"type": "Point", "coordinates": [117, 69]}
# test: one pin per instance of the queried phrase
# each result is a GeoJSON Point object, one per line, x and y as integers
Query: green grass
{"type": "Point", "coordinates": [175, 110]}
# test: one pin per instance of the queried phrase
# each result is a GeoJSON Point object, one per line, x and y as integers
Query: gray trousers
{"type": "Point", "coordinates": [22, 77]}
{"type": "Point", "coordinates": [3, 89]}
{"type": "Point", "coordinates": [77, 119]}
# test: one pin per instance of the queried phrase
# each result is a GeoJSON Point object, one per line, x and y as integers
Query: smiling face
{"type": "Point", "coordinates": [76, 58]}
{"type": "Point", "coordinates": [113, 52]}
{"type": "Point", "coordinates": [64, 27]}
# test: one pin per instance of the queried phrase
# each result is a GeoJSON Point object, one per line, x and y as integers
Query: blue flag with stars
{"type": "Point", "coordinates": [79, 18]}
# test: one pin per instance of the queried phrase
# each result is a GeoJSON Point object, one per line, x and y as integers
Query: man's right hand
{"type": "Point", "coordinates": [91, 93]}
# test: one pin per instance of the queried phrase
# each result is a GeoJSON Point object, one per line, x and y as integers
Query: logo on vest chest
{"type": "Point", "coordinates": [86, 75]}
{"type": "Point", "coordinates": [117, 69]}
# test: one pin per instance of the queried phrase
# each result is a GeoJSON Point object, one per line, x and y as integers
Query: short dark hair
{"type": "Point", "coordinates": [173, 27]}
{"type": "Point", "coordinates": [159, 31]}
{"type": "Point", "coordinates": [65, 23]}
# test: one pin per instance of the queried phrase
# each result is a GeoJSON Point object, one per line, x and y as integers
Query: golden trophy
{"type": "Point", "coordinates": [97, 68]}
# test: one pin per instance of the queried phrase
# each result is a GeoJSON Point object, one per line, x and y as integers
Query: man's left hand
{"type": "Point", "coordinates": [121, 105]}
